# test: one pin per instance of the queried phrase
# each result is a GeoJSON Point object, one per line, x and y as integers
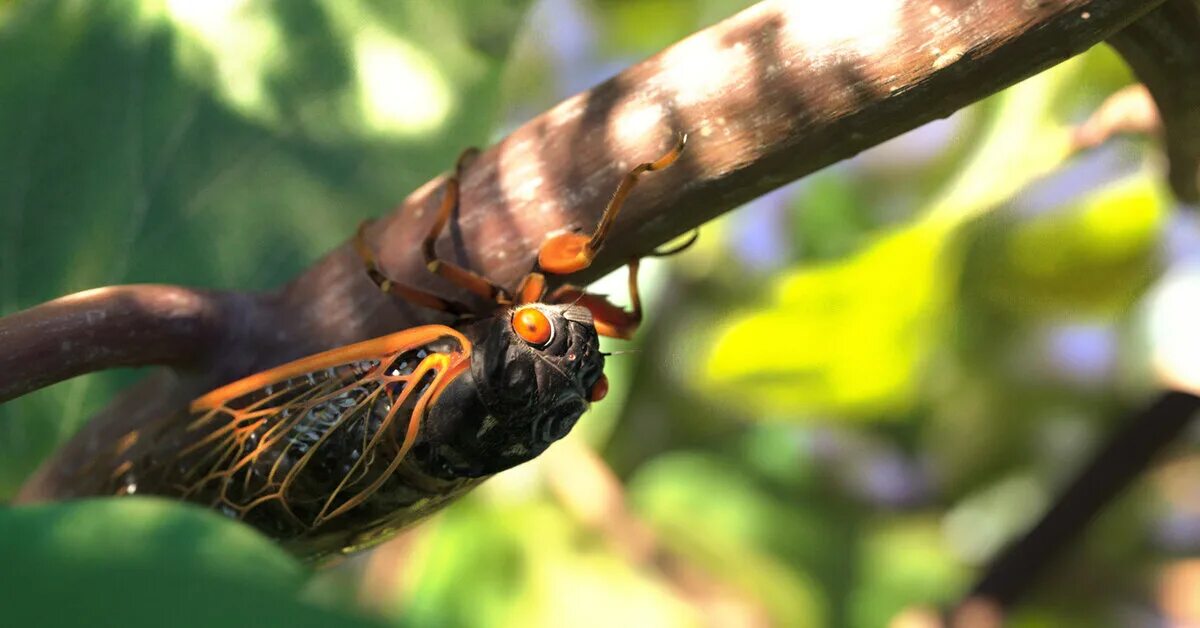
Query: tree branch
{"type": "Point", "coordinates": [1164, 50]}
{"type": "Point", "coordinates": [107, 328]}
{"type": "Point", "coordinates": [1128, 452]}
{"type": "Point", "coordinates": [769, 95]}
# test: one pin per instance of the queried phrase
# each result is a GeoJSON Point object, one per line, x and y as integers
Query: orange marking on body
{"type": "Point", "coordinates": [367, 350]}
{"type": "Point", "coordinates": [599, 389]}
{"type": "Point", "coordinates": [565, 253]}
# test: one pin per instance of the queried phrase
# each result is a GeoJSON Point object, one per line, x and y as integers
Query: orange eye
{"type": "Point", "coordinates": [532, 326]}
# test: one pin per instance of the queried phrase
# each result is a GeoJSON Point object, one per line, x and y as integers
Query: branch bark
{"type": "Point", "coordinates": [108, 328]}
{"type": "Point", "coordinates": [1129, 451]}
{"type": "Point", "coordinates": [769, 95]}
{"type": "Point", "coordinates": [1164, 50]}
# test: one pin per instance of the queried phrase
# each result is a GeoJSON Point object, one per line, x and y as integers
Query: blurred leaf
{"type": "Point", "coordinates": [139, 562]}
{"type": "Point", "coordinates": [847, 336]}
{"type": "Point", "coordinates": [903, 563]}
{"type": "Point", "coordinates": [851, 337]}
{"type": "Point", "coordinates": [1096, 255]}
{"type": "Point", "coordinates": [979, 525]}
{"type": "Point", "coordinates": [530, 565]}
{"type": "Point", "coordinates": [831, 220]}
{"type": "Point", "coordinates": [710, 513]}
{"type": "Point", "coordinates": [643, 26]}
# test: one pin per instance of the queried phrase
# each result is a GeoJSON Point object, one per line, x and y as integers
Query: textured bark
{"type": "Point", "coordinates": [1164, 50]}
{"type": "Point", "coordinates": [107, 328]}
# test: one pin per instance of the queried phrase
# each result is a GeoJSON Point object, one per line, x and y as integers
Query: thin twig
{"type": "Point", "coordinates": [1128, 452]}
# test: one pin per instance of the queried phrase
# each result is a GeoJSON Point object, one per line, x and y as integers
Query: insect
{"type": "Point", "coordinates": [338, 451]}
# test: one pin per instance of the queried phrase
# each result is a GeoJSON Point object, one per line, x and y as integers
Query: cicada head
{"type": "Point", "coordinates": [534, 371]}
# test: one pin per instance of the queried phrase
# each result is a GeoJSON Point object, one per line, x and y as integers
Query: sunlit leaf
{"type": "Point", "coordinates": [847, 336]}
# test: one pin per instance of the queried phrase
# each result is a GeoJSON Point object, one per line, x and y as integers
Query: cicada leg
{"type": "Point", "coordinates": [678, 248]}
{"type": "Point", "coordinates": [611, 320]}
{"type": "Point", "coordinates": [473, 282]}
{"type": "Point", "coordinates": [572, 252]}
{"type": "Point", "coordinates": [412, 295]}
{"type": "Point", "coordinates": [532, 289]}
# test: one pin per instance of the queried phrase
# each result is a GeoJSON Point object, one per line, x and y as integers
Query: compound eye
{"type": "Point", "coordinates": [599, 389]}
{"type": "Point", "coordinates": [532, 326]}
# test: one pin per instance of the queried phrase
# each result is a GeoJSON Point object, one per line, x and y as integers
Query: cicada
{"type": "Point", "coordinates": [338, 451]}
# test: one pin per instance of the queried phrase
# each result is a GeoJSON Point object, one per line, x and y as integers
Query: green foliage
{"type": "Point", "coordinates": [712, 512]}
{"type": "Point", "coordinates": [140, 562]}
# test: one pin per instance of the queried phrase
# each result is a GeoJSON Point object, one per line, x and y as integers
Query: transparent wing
{"type": "Point", "coordinates": [291, 448]}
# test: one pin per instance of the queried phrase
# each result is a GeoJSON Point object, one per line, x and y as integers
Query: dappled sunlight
{"type": "Point", "coordinates": [396, 88]}
{"type": "Point", "coordinates": [402, 90]}
{"type": "Point", "coordinates": [637, 119]}
{"type": "Point", "coordinates": [703, 68]}
{"type": "Point", "coordinates": [843, 402]}
{"type": "Point", "coordinates": [242, 44]}
{"type": "Point", "coordinates": [860, 27]}
{"type": "Point", "coordinates": [1174, 334]}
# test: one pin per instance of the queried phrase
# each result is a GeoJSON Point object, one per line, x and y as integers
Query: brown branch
{"type": "Point", "coordinates": [107, 328]}
{"type": "Point", "coordinates": [769, 95]}
{"type": "Point", "coordinates": [1128, 452]}
{"type": "Point", "coordinates": [1164, 50]}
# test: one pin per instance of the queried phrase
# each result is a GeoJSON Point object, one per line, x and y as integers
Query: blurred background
{"type": "Point", "coordinates": [848, 395]}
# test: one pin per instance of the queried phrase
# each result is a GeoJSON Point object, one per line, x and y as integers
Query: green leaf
{"type": "Point", "coordinates": [848, 336]}
{"type": "Point", "coordinates": [1095, 256]}
{"type": "Point", "coordinates": [904, 562]}
{"type": "Point", "coordinates": [146, 562]}
{"type": "Point", "coordinates": [528, 564]}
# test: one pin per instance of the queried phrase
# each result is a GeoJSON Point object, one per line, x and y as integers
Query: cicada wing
{"type": "Point", "coordinates": [291, 448]}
